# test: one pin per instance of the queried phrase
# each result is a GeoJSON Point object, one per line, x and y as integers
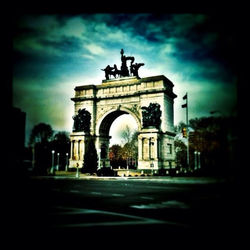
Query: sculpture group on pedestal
{"type": "Point", "coordinates": [124, 71]}
{"type": "Point", "coordinates": [151, 115]}
{"type": "Point", "coordinates": [82, 121]}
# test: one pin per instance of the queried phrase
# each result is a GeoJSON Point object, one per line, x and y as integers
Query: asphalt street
{"type": "Point", "coordinates": [126, 209]}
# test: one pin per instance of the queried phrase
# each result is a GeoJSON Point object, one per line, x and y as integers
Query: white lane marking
{"type": "Point", "coordinates": [114, 223]}
{"type": "Point", "coordinates": [132, 219]}
{"type": "Point", "coordinates": [180, 180]}
{"type": "Point", "coordinates": [118, 195]}
{"type": "Point", "coordinates": [165, 204]}
{"type": "Point", "coordinates": [70, 210]}
{"type": "Point", "coordinates": [136, 220]}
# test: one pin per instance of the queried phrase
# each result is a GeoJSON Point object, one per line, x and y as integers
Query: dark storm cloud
{"type": "Point", "coordinates": [196, 38]}
{"type": "Point", "coordinates": [64, 44]}
{"type": "Point", "coordinates": [39, 55]}
{"type": "Point", "coordinates": [33, 64]}
{"type": "Point", "coordinates": [54, 53]}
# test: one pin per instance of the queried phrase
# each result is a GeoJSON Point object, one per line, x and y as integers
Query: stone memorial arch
{"type": "Point", "coordinates": [149, 100]}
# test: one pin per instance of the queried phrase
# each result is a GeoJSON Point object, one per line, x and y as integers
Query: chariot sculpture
{"type": "Point", "coordinates": [124, 71]}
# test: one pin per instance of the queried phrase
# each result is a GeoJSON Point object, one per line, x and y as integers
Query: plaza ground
{"type": "Point", "coordinates": [126, 208]}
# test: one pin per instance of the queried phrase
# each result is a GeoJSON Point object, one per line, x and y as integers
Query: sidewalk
{"type": "Point", "coordinates": [165, 179]}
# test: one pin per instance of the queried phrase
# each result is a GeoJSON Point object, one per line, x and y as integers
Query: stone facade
{"type": "Point", "coordinates": [115, 97]}
{"type": "Point", "coordinates": [78, 141]}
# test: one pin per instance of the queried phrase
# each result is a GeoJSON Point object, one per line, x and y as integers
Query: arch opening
{"type": "Point", "coordinates": [121, 128]}
{"type": "Point", "coordinates": [111, 131]}
{"type": "Point", "coordinates": [108, 121]}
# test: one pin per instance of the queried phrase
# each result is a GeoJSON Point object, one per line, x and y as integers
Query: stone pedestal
{"type": "Point", "coordinates": [78, 142]}
{"type": "Point", "coordinates": [155, 150]}
{"type": "Point", "coordinates": [148, 148]}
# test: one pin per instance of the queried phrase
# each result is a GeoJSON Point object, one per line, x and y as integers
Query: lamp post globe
{"type": "Point", "coordinates": [66, 166]}
{"type": "Point", "coordinates": [57, 166]}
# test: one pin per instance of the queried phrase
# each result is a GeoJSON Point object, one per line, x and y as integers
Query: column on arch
{"type": "Point", "coordinates": [75, 150]}
{"type": "Point", "coordinates": [140, 148]}
{"type": "Point", "coordinates": [78, 149]}
{"type": "Point", "coordinates": [81, 149]}
{"type": "Point", "coordinates": [72, 150]}
{"type": "Point", "coordinates": [152, 150]}
{"type": "Point", "coordinates": [145, 149]}
{"type": "Point", "coordinates": [156, 146]}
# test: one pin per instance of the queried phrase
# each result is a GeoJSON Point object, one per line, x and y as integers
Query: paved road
{"type": "Point", "coordinates": [126, 208]}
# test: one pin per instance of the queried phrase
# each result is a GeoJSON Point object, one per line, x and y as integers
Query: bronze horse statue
{"type": "Point", "coordinates": [117, 71]}
{"type": "Point", "coordinates": [112, 71]}
{"type": "Point", "coordinates": [124, 71]}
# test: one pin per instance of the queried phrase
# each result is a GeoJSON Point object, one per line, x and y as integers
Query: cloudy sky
{"type": "Point", "coordinates": [54, 53]}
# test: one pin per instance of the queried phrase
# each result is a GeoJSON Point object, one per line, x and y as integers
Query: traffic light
{"type": "Point", "coordinates": [184, 132]}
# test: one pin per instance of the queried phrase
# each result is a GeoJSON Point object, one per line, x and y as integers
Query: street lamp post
{"type": "Point", "coordinates": [52, 162]}
{"type": "Point", "coordinates": [195, 160]}
{"type": "Point", "coordinates": [99, 158]}
{"type": "Point", "coordinates": [57, 166]}
{"type": "Point", "coordinates": [66, 167]}
{"type": "Point", "coordinates": [199, 160]}
{"type": "Point", "coordinates": [77, 170]}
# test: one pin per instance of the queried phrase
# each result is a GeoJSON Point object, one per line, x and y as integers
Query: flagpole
{"type": "Point", "coordinates": [187, 131]}
{"type": "Point", "coordinates": [185, 97]}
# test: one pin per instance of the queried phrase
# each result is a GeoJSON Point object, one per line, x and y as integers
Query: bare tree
{"type": "Point", "coordinates": [130, 148]}
{"type": "Point", "coordinates": [127, 135]}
